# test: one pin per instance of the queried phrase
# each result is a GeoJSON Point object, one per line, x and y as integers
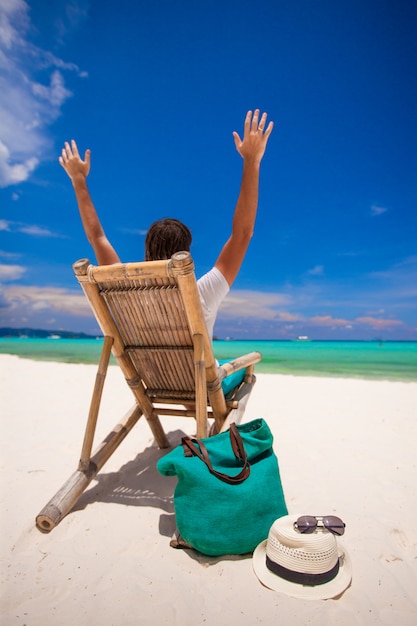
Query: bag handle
{"type": "Point", "coordinates": [195, 447]}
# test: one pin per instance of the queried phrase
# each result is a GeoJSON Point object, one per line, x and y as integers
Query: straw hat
{"type": "Point", "coordinates": [309, 566]}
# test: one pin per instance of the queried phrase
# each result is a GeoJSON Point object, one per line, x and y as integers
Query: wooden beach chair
{"type": "Point", "coordinates": [151, 318]}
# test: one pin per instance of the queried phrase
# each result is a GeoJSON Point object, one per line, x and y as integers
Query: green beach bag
{"type": "Point", "coordinates": [229, 489]}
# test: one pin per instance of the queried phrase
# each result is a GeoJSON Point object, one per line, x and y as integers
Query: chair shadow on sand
{"type": "Point", "coordinates": [138, 483]}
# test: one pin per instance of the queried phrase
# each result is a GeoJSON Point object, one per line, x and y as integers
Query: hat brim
{"type": "Point", "coordinates": [325, 591]}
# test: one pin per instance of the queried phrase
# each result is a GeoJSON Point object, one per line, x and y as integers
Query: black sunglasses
{"type": "Point", "coordinates": [309, 523]}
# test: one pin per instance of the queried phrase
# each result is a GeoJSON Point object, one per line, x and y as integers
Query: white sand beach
{"type": "Point", "coordinates": [345, 447]}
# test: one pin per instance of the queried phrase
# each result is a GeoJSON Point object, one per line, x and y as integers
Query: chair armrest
{"type": "Point", "coordinates": [239, 363]}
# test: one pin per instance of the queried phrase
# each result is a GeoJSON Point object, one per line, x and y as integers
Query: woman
{"type": "Point", "coordinates": [169, 235]}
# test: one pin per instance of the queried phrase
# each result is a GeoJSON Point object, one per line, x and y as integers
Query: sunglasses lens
{"type": "Point", "coordinates": [334, 524]}
{"type": "Point", "coordinates": [306, 524]}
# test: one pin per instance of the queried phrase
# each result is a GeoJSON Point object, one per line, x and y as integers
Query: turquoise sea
{"type": "Point", "coordinates": [389, 360]}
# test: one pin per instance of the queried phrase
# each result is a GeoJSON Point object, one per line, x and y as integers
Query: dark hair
{"type": "Point", "coordinates": [165, 237]}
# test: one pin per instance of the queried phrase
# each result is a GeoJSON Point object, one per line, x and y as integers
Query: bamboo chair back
{"type": "Point", "coordinates": [153, 326]}
{"type": "Point", "coordinates": [152, 310]}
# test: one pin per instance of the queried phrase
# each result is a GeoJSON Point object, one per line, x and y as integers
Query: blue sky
{"type": "Point", "coordinates": [155, 89]}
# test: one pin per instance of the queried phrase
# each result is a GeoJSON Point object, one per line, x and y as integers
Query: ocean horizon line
{"type": "Point", "coordinates": [44, 333]}
{"type": "Point", "coordinates": [375, 359]}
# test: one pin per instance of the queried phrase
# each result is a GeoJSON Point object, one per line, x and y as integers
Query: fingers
{"type": "Point", "coordinates": [262, 122]}
{"type": "Point", "coordinates": [255, 125]}
{"type": "Point", "coordinates": [269, 130]}
{"type": "Point", "coordinates": [255, 136]}
{"type": "Point", "coordinates": [70, 151]}
{"type": "Point", "coordinates": [255, 121]}
{"type": "Point", "coordinates": [248, 119]}
{"type": "Point", "coordinates": [74, 148]}
{"type": "Point", "coordinates": [237, 139]}
{"type": "Point", "coordinates": [87, 157]}
{"type": "Point", "coordinates": [66, 153]}
{"type": "Point", "coordinates": [63, 159]}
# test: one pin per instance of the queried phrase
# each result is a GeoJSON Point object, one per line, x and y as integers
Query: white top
{"type": "Point", "coordinates": [212, 287]}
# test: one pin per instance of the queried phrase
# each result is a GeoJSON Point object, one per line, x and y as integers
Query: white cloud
{"type": "Point", "coordinates": [408, 262]}
{"type": "Point", "coordinates": [33, 230]}
{"type": "Point", "coordinates": [134, 231]}
{"type": "Point", "coordinates": [29, 300]}
{"type": "Point", "coordinates": [13, 16]}
{"type": "Point", "coordinates": [55, 93]}
{"type": "Point", "coordinates": [36, 231]}
{"type": "Point", "coordinates": [11, 272]}
{"type": "Point", "coordinates": [399, 280]}
{"type": "Point", "coordinates": [327, 320]}
{"type": "Point", "coordinates": [378, 210]}
{"type": "Point", "coordinates": [307, 309]}
{"type": "Point", "coordinates": [11, 174]}
{"type": "Point", "coordinates": [9, 255]}
{"type": "Point", "coordinates": [33, 91]}
{"type": "Point", "coordinates": [353, 253]}
{"type": "Point", "coordinates": [253, 304]}
{"type": "Point", "coordinates": [379, 323]}
{"type": "Point", "coordinates": [317, 270]}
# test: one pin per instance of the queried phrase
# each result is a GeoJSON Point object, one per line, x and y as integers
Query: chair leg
{"type": "Point", "coordinates": [95, 404]}
{"type": "Point", "coordinates": [200, 386]}
{"type": "Point", "coordinates": [67, 496]}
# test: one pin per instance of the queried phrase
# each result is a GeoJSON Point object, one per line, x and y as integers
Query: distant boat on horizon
{"type": "Point", "coordinates": [303, 338]}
